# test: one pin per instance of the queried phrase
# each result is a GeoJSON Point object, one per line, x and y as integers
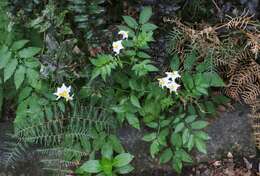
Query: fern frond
{"type": "Point", "coordinates": [14, 151]}
{"type": "Point", "coordinates": [240, 22]}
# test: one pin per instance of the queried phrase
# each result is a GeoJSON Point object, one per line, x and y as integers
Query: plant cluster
{"type": "Point", "coordinates": [70, 101]}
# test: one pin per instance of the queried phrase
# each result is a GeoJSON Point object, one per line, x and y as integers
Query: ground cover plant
{"type": "Point", "coordinates": [75, 73]}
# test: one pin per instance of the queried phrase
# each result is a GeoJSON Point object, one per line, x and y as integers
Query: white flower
{"type": "Point", "coordinates": [124, 34]}
{"type": "Point", "coordinates": [173, 86]}
{"type": "Point", "coordinates": [64, 92]}
{"type": "Point", "coordinates": [173, 75]}
{"type": "Point", "coordinates": [117, 46]}
{"type": "Point", "coordinates": [170, 81]}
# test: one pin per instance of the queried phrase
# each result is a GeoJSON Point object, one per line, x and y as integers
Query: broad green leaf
{"type": "Point", "coordinates": [19, 76]}
{"type": "Point", "coordinates": [189, 61]}
{"type": "Point", "coordinates": [117, 146]}
{"type": "Point", "coordinates": [185, 136]}
{"type": "Point", "coordinates": [190, 118]}
{"type": "Point", "coordinates": [148, 27]}
{"type": "Point", "coordinates": [29, 52]}
{"type": "Point", "coordinates": [107, 150]}
{"type": "Point", "coordinates": [133, 120]}
{"type": "Point", "coordinates": [177, 164]}
{"type": "Point", "coordinates": [176, 140]}
{"type": "Point", "coordinates": [4, 58]}
{"type": "Point", "coordinates": [202, 135]}
{"type": "Point", "coordinates": [197, 125]}
{"type": "Point", "coordinates": [166, 156]}
{"type": "Point", "coordinates": [9, 69]}
{"type": "Point", "coordinates": [185, 156]}
{"type": "Point", "coordinates": [130, 21]}
{"type": "Point", "coordinates": [125, 169]}
{"type": "Point", "coordinates": [145, 15]}
{"type": "Point", "coordinates": [188, 81]}
{"type": "Point", "coordinates": [143, 55]}
{"type": "Point", "coordinates": [135, 101]}
{"type": "Point", "coordinates": [122, 159]}
{"type": "Point", "coordinates": [210, 107]}
{"type": "Point", "coordinates": [25, 92]}
{"type": "Point", "coordinates": [106, 165]}
{"type": "Point", "coordinates": [92, 166]}
{"type": "Point", "coordinates": [179, 127]}
{"type": "Point", "coordinates": [149, 137]}
{"type": "Point", "coordinates": [154, 148]}
{"type": "Point", "coordinates": [19, 44]}
{"type": "Point", "coordinates": [190, 142]}
{"type": "Point", "coordinates": [33, 76]}
{"type": "Point", "coordinates": [200, 145]}
{"type": "Point", "coordinates": [214, 79]}
{"type": "Point", "coordinates": [175, 62]}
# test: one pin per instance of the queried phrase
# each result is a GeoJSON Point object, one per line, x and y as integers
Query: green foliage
{"type": "Point", "coordinates": [108, 165]}
{"type": "Point", "coordinates": [108, 90]}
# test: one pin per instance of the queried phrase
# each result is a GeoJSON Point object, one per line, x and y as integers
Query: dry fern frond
{"type": "Point", "coordinates": [253, 43]}
{"type": "Point", "coordinates": [251, 93]}
{"type": "Point", "coordinates": [240, 22]}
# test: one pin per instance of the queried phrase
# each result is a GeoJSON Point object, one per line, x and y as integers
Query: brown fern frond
{"type": "Point", "coordinates": [251, 93]}
{"type": "Point", "coordinates": [233, 92]}
{"type": "Point", "coordinates": [253, 43]}
{"type": "Point", "coordinates": [240, 22]}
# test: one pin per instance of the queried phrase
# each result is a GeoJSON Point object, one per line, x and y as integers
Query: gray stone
{"type": "Point", "coordinates": [230, 132]}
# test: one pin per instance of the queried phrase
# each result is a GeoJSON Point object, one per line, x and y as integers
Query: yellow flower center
{"type": "Point", "coordinates": [116, 46]}
{"type": "Point", "coordinates": [64, 94]}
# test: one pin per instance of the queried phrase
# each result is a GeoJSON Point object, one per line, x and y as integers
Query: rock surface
{"type": "Point", "coordinates": [231, 131]}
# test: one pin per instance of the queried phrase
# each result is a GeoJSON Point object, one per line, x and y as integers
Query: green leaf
{"type": "Point", "coordinates": [188, 81]}
{"type": "Point", "coordinates": [33, 77]}
{"type": "Point", "coordinates": [135, 101]}
{"type": "Point", "coordinates": [19, 44]}
{"type": "Point", "coordinates": [5, 57]}
{"type": "Point", "coordinates": [175, 62]}
{"type": "Point", "coordinates": [197, 125]}
{"type": "Point", "coordinates": [92, 166]}
{"type": "Point", "coordinates": [210, 107]}
{"type": "Point", "coordinates": [145, 15]}
{"type": "Point", "coordinates": [185, 156]}
{"type": "Point", "coordinates": [177, 164]}
{"type": "Point", "coordinates": [9, 69]}
{"type": "Point", "coordinates": [25, 92]}
{"type": "Point", "coordinates": [107, 150]}
{"type": "Point", "coordinates": [176, 140]}
{"type": "Point", "coordinates": [131, 22]}
{"type": "Point", "coordinates": [185, 136]}
{"type": "Point", "coordinates": [122, 159]}
{"type": "Point", "coordinates": [29, 52]}
{"type": "Point", "coordinates": [166, 156]}
{"type": "Point", "coordinates": [189, 61]}
{"type": "Point", "coordinates": [190, 118]}
{"type": "Point", "coordinates": [133, 120]}
{"type": "Point", "coordinates": [106, 165]}
{"type": "Point", "coordinates": [117, 146]}
{"type": "Point", "coordinates": [190, 142]}
{"type": "Point", "coordinates": [19, 76]}
{"type": "Point", "coordinates": [154, 148]}
{"type": "Point", "coordinates": [125, 169]}
{"type": "Point", "coordinates": [149, 137]}
{"type": "Point", "coordinates": [148, 27]}
{"type": "Point", "coordinates": [179, 127]}
{"type": "Point", "coordinates": [214, 79]}
{"type": "Point", "coordinates": [200, 145]}
{"type": "Point", "coordinates": [202, 135]}
{"type": "Point", "coordinates": [143, 55]}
